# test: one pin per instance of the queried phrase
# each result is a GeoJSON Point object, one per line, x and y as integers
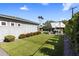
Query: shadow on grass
{"type": "Point", "coordinates": [52, 41]}
{"type": "Point", "coordinates": [47, 51]}
{"type": "Point", "coordinates": [57, 51]}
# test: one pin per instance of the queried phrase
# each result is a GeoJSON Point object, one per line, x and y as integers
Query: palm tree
{"type": "Point", "coordinates": [40, 22]}
{"type": "Point", "coordinates": [40, 19]}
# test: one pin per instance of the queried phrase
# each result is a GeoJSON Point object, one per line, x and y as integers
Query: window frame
{"type": "Point", "coordinates": [18, 24]}
{"type": "Point", "coordinates": [2, 24]}
{"type": "Point", "coordinates": [11, 24]}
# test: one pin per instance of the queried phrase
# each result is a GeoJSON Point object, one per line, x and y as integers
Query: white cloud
{"type": "Point", "coordinates": [67, 6]}
{"type": "Point", "coordinates": [24, 8]}
{"type": "Point", "coordinates": [45, 4]}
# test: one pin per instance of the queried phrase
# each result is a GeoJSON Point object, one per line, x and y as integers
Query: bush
{"type": "Point", "coordinates": [34, 33]}
{"type": "Point", "coordinates": [45, 32]}
{"type": "Point", "coordinates": [9, 38]}
{"type": "Point", "coordinates": [22, 36]}
{"type": "Point", "coordinates": [28, 34]}
{"type": "Point", "coordinates": [37, 33]}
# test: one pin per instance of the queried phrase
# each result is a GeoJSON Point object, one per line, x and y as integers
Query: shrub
{"type": "Point", "coordinates": [45, 32]}
{"type": "Point", "coordinates": [31, 34]}
{"type": "Point", "coordinates": [38, 33]}
{"type": "Point", "coordinates": [28, 34]}
{"type": "Point", "coordinates": [9, 38]}
{"type": "Point", "coordinates": [22, 36]}
{"type": "Point", "coordinates": [35, 33]}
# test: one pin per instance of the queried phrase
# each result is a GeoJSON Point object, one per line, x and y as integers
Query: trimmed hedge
{"type": "Point", "coordinates": [9, 38]}
{"type": "Point", "coordinates": [22, 36]}
{"type": "Point", "coordinates": [46, 32]}
{"type": "Point", "coordinates": [28, 34]}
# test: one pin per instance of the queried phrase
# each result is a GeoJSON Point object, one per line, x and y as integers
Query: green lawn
{"type": "Point", "coordinates": [35, 45]}
{"type": "Point", "coordinates": [53, 47]}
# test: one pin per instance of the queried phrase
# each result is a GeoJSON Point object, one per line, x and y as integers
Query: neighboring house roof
{"type": "Point", "coordinates": [18, 19]}
{"type": "Point", "coordinates": [57, 24]}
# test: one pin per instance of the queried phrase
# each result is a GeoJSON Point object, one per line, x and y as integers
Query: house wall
{"type": "Point", "coordinates": [15, 30]}
{"type": "Point", "coordinates": [58, 31]}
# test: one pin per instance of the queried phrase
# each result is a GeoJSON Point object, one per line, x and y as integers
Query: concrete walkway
{"type": "Point", "coordinates": [3, 53]}
{"type": "Point", "coordinates": [67, 50]}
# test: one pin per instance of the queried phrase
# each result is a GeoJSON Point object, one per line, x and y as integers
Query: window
{"type": "Point", "coordinates": [12, 24]}
{"type": "Point", "coordinates": [18, 24]}
{"type": "Point", "coordinates": [3, 23]}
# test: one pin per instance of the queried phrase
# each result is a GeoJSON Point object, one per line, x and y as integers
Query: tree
{"type": "Point", "coordinates": [40, 19]}
{"type": "Point", "coordinates": [72, 30]}
{"type": "Point", "coordinates": [47, 25]}
{"type": "Point", "coordinates": [65, 21]}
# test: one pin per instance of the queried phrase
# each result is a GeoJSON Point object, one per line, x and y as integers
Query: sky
{"type": "Point", "coordinates": [30, 11]}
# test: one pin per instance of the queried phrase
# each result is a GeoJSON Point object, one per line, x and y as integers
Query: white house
{"type": "Point", "coordinates": [57, 27]}
{"type": "Point", "coordinates": [10, 25]}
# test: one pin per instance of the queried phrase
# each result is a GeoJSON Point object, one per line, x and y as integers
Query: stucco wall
{"type": "Point", "coordinates": [15, 30]}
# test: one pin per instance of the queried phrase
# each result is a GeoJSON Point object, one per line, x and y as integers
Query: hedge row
{"type": "Point", "coordinates": [10, 38]}
{"type": "Point", "coordinates": [28, 35]}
